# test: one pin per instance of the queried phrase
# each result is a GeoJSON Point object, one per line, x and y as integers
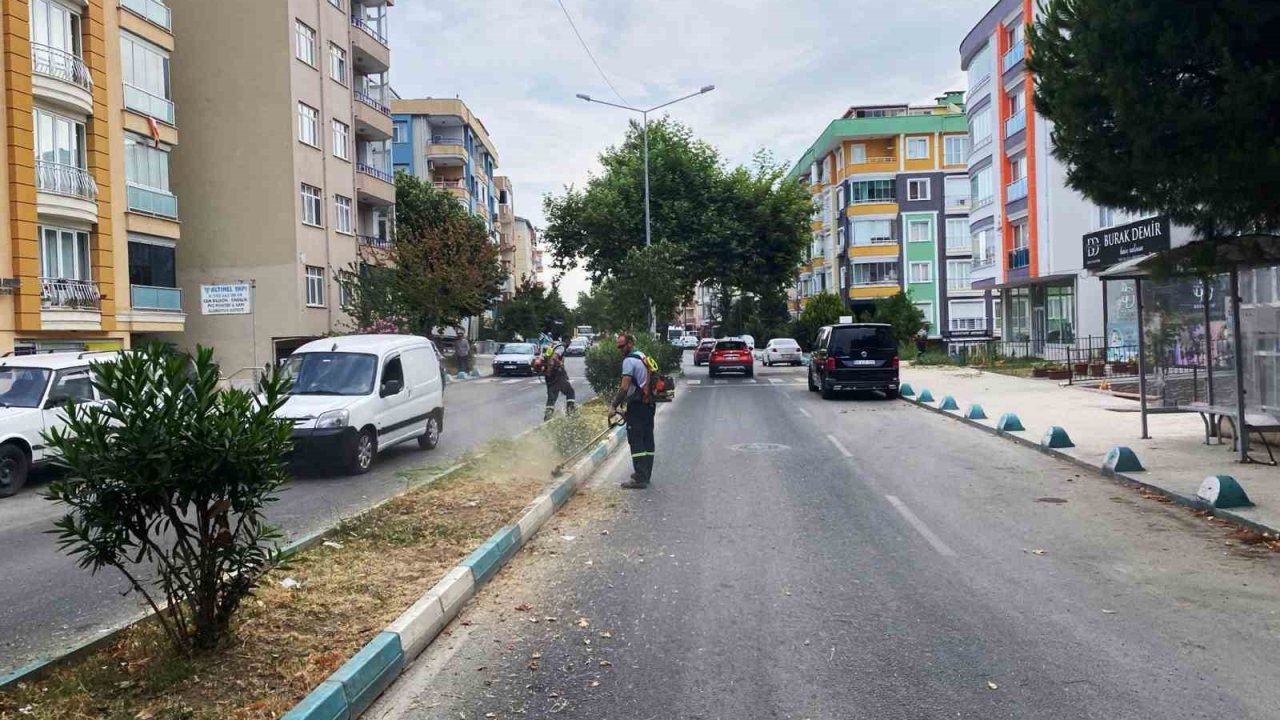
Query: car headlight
{"type": "Point", "coordinates": [332, 419]}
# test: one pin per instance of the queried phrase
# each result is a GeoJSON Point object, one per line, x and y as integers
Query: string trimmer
{"type": "Point", "coordinates": [618, 421]}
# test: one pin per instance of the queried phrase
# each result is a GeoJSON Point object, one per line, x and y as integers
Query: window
{"type": "Point", "coordinates": [60, 152]}
{"type": "Point", "coordinates": [343, 207]}
{"type": "Point", "coordinates": [876, 273]}
{"type": "Point", "coordinates": [1060, 314]}
{"type": "Point", "coordinates": [984, 248]}
{"type": "Point", "coordinates": [308, 125]}
{"type": "Point", "coordinates": [305, 41]}
{"type": "Point", "coordinates": [336, 3]}
{"type": "Point", "coordinates": [844, 277]}
{"type": "Point", "coordinates": [872, 191]}
{"type": "Point", "coordinates": [1017, 168]}
{"type": "Point", "coordinates": [1013, 34]}
{"type": "Point", "coordinates": [926, 308]}
{"type": "Point", "coordinates": [858, 154]}
{"type": "Point", "coordinates": [144, 165]}
{"type": "Point", "coordinates": [55, 25]}
{"type": "Point", "coordinates": [958, 239]}
{"type": "Point", "coordinates": [310, 204]}
{"type": "Point", "coordinates": [997, 320]}
{"type": "Point", "coordinates": [145, 68]}
{"type": "Point", "coordinates": [840, 238]}
{"type": "Point", "coordinates": [917, 148]}
{"type": "Point", "coordinates": [1106, 217]}
{"type": "Point", "coordinates": [981, 189]}
{"type": "Point", "coordinates": [918, 189]}
{"type": "Point", "coordinates": [955, 149]}
{"type": "Point", "coordinates": [1015, 102]}
{"type": "Point", "coordinates": [72, 385]}
{"type": "Point", "coordinates": [956, 189]}
{"type": "Point", "coordinates": [872, 232]}
{"type": "Point", "coordinates": [64, 254]}
{"type": "Point", "coordinates": [341, 140]}
{"type": "Point", "coordinates": [980, 68]}
{"type": "Point", "coordinates": [1019, 233]}
{"type": "Point", "coordinates": [338, 64]}
{"type": "Point", "coordinates": [920, 230]}
{"type": "Point", "coordinates": [967, 315]}
{"type": "Point", "coordinates": [920, 272]}
{"type": "Point", "coordinates": [152, 264]}
{"type": "Point", "coordinates": [958, 274]}
{"type": "Point", "coordinates": [315, 286]}
{"type": "Point", "coordinates": [399, 133]}
{"type": "Point", "coordinates": [980, 127]}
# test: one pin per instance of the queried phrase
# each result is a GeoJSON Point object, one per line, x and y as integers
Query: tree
{"type": "Point", "coordinates": [819, 310]}
{"type": "Point", "coordinates": [169, 478]}
{"type": "Point", "coordinates": [592, 308]}
{"type": "Point", "coordinates": [1166, 106]}
{"type": "Point", "coordinates": [527, 309]}
{"type": "Point", "coordinates": [897, 310]}
{"type": "Point", "coordinates": [441, 266]}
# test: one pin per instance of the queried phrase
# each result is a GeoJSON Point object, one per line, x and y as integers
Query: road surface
{"type": "Point", "coordinates": [859, 558]}
{"type": "Point", "coordinates": [47, 604]}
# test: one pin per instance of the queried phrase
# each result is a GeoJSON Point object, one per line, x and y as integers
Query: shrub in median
{"type": "Point", "coordinates": [168, 480]}
{"type": "Point", "coordinates": [604, 361]}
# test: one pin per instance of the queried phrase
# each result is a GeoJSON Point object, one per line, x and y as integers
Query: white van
{"type": "Point", "coordinates": [34, 391]}
{"type": "Point", "coordinates": [355, 395]}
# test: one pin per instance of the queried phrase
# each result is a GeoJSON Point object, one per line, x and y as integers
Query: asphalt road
{"type": "Point", "coordinates": [47, 604]}
{"type": "Point", "coordinates": [858, 558]}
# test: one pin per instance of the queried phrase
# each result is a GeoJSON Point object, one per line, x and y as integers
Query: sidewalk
{"type": "Point", "coordinates": [1176, 458]}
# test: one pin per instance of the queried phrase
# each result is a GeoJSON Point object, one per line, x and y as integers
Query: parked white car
{"type": "Point", "coordinates": [782, 351]}
{"type": "Point", "coordinates": [34, 391]}
{"type": "Point", "coordinates": [515, 358]}
{"type": "Point", "coordinates": [354, 396]}
{"type": "Point", "coordinates": [689, 342]}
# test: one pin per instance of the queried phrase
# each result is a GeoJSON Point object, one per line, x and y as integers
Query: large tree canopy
{"type": "Point", "coordinates": [1166, 106]}
{"type": "Point", "coordinates": [527, 310]}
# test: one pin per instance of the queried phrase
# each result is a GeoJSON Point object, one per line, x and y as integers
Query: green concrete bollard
{"type": "Point", "coordinates": [976, 412]}
{"type": "Point", "coordinates": [925, 396]}
{"type": "Point", "coordinates": [1009, 422]}
{"type": "Point", "coordinates": [1122, 459]}
{"type": "Point", "coordinates": [1056, 437]}
{"type": "Point", "coordinates": [905, 390]}
{"type": "Point", "coordinates": [1222, 491]}
{"type": "Point", "coordinates": [948, 403]}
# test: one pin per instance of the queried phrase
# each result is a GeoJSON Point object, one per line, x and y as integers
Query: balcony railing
{"type": "Point", "coordinates": [982, 262]}
{"type": "Point", "coordinates": [960, 202]}
{"type": "Point", "coordinates": [147, 103]}
{"type": "Point", "coordinates": [1019, 258]}
{"type": "Point", "coordinates": [875, 161]}
{"type": "Point", "coordinates": [959, 283]}
{"type": "Point", "coordinates": [982, 202]}
{"type": "Point", "coordinates": [889, 282]}
{"type": "Point", "coordinates": [1015, 124]}
{"type": "Point", "coordinates": [69, 294]}
{"type": "Point", "coordinates": [152, 202]}
{"type": "Point", "coordinates": [368, 28]}
{"type": "Point", "coordinates": [445, 184]}
{"type": "Point", "coordinates": [443, 140]}
{"type": "Point", "coordinates": [875, 241]}
{"type": "Point", "coordinates": [872, 201]}
{"type": "Point", "coordinates": [369, 100]}
{"type": "Point", "coordinates": [1016, 190]}
{"type": "Point", "coordinates": [968, 324]}
{"type": "Point", "coordinates": [151, 10]}
{"type": "Point", "coordinates": [1013, 55]}
{"type": "Point", "coordinates": [65, 180]}
{"type": "Point", "coordinates": [375, 241]}
{"type": "Point", "coordinates": [60, 64]}
{"type": "Point", "coordinates": [372, 171]}
{"type": "Point", "coordinates": [148, 297]}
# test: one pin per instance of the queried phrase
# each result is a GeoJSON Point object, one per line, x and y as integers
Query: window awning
{"type": "Point", "coordinates": [1043, 279]}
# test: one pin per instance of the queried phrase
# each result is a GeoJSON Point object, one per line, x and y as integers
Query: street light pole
{"type": "Point", "coordinates": [644, 114]}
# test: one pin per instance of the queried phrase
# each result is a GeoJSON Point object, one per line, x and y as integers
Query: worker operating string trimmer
{"type": "Point", "coordinates": [550, 362]}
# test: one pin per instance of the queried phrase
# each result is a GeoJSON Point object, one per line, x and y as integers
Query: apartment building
{"type": "Point", "coordinates": [90, 227]}
{"type": "Point", "coordinates": [441, 141]}
{"type": "Point", "coordinates": [506, 224]}
{"type": "Point", "coordinates": [526, 261]}
{"type": "Point", "coordinates": [1025, 224]}
{"type": "Point", "coordinates": [891, 201]}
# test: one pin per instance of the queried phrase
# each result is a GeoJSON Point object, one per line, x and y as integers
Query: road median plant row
{"type": "Point", "coordinates": [312, 614]}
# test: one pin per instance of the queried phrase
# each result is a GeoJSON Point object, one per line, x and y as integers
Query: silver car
{"type": "Point", "coordinates": [783, 351]}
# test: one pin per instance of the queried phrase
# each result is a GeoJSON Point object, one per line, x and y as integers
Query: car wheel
{"type": "Point", "coordinates": [14, 466]}
{"type": "Point", "coordinates": [890, 394]}
{"type": "Point", "coordinates": [812, 387]}
{"type": "Point", "coordinates": [362, 452]}
{"type": "Point", "coordinates": [431, 438]}
{"type": "Point", "coordinates": [712, 372]}
{"type": "Point", "coordinates": [751, 372]}
{"type": "Point", "coordinates": [828, 392]}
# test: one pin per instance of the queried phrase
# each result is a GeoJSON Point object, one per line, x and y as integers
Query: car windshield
{"type": "Point", "coordinates": [331, 373]}
{"type": "Point", "coordinates": [517, 349]}
{"type": "Point", "coordinates": [784, 343]}
{"type": "Point", "coordinates": [846, 340]}
{"type": "Point", "coordinates": [22, 386]}
{"type": "Point", "coordinates": [578, 343]}
{"type": "Point", "coordinates": [731, 345]}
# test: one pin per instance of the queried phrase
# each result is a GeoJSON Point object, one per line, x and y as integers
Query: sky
{"type": "Point", "coordinates": [783, 69]}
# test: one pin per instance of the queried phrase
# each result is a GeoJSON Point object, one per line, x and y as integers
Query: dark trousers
{"type": "Point", "coordinates": [555, 388]}
{"type": "Point", "coordinates": [640, 437]}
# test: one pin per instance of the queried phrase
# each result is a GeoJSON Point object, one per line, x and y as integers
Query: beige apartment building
{"type": "Point", "coordinates": [90, 226]}
{"type": "Point", "coordinates": [287, 168]}
{"type": "Point", "coordinates": [506, 234]}
{"type": "Point", "coordinates": [526, 258]}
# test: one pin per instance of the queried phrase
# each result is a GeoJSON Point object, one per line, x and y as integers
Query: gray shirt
{"type": "Point", "coordinates": [635, 368]}
{"type": "Point", "coordinates": [462, 348]}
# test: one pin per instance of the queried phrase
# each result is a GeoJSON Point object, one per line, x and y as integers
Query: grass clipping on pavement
{"type": "Point", "coordinates": [288, 638]}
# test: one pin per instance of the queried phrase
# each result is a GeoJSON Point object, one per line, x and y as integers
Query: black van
{"type": "Point", "coordinates": [854, 356]}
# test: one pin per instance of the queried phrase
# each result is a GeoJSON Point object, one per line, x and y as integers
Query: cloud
{"type": "Point", "coordinates": [783, 69]}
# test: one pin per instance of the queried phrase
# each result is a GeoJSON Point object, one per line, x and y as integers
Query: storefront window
{"type": "Point", "coordinates": [1019, 315]}
{"type": "Point", "coordinates": [1060, 303]}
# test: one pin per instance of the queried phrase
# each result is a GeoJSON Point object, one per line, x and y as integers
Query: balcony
{"type": "Point", "coordinates": [1016, 190]}
{"type": "Point", "coordinates": [372, 118]}
{"type": "Point", "coordinates": [456, 187]}
{"type": "Point", "coordinates": [69, 294]}
{"type": "Point", "coordinates": [374, 186]}
{"type": "Point", "coordinates": [161, 299]}
{"type": "Point", "coordinates": [62, 78]}
{"type": "Point", "coordinates": [369, 48]}
{"type": "Point", "coordinates": [148, 201]}
{"type": "Point", "coordinates": [376, 242]}
{"type": "Point", "coordinates": [884, 163]}
{"type": "Point", "coordinates": [149, 104]}
{"type": "Point", "coordinates": [959, 283]}
{"type": "Point", "coordinates": [447, 151]}
{"type": "Point", "coordinates": [958, 203]}
{"type": "Point", "coordinates": [68, 180]}
{"type": "Point", "coordinates": [1013, 56]}
{"type": "Point", "coordinates": [1019, 258]}
{"type": "Point", "coordinates": [152, 11]}
{"type": "Point", "coordinates": [1015, 124]}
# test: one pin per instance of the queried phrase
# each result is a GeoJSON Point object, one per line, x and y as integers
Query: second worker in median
{"type": "Point", "coordinates": [634, 392]}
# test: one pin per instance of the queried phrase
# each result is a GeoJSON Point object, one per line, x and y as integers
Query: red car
{"type": "Point", "coordinates": [702, 354]}
{"type": "Point", "coordinates": [732, 355]}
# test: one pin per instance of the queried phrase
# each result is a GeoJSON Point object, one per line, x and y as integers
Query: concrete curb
{"type": "Point", "coordinates": [369, 672]}
{"type": "Point", "coordinates": [1128, 479]}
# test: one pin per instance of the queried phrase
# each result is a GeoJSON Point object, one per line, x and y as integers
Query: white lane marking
{"type": "Point", "coordinates": [695, 382]}
{"type": "Point", "coordinates": [508, 382]}
{"type": "Point", "coordinates": [776, 381]}
{"type": "Point", "coordinates": [843, 450]}
{"type": "Point", "coordinates": [920, 527]}
{"type": "Point", "coordinates": [804, 412]}
{"type": "Point", "coordinates": [753, 381]}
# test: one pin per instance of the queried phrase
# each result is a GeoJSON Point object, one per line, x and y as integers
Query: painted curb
{"type": "Point", "coordinates": [370, 671]}
{"type": "Point", "coordinates": [1189, 501]}
{"type": "Point", "coordinates": [327, 702]}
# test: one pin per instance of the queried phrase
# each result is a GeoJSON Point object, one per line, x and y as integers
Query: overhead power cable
{"type": "Point", "coordinates": [599, 69]}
